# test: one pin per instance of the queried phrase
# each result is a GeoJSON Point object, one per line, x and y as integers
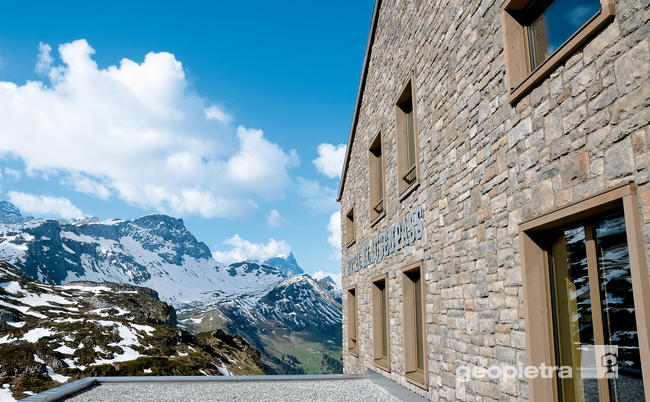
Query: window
{"type": "Point", "coordinates": [352, 321]}
{"type": "Point", "coordinates": [586, 283]}
{"type": "Point", "coordinates": [407, 144]}
{"type": "Point", "coordinates": [541, 34]}
{"type": "Point", "coordinates": [376, 180]}
{"type": "Point", "coordinates": [380, 320]}
{"type": "Point", "coordinates": [349, 227]}
{"type": "Point", "coordinates": [415, 363]}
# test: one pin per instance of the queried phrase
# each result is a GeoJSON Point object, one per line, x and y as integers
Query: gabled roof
{"type": "Point", "coordinates": [362, 85]}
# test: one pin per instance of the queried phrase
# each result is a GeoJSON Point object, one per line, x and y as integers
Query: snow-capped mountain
{"type": "Point", "coordinates": [265, 302]}
{"type": "Point", "coordinates": [155, 251]}
{"type": "Point", "coordinates": [10, 214]}
{"type": "Point", "coordinates": [288, 316]}
{"type": "Point", "coordinates": [287, 265]}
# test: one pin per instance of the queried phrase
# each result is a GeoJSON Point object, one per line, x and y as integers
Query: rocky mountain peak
{"type": "Point", "coordinates": [10, 214]}
{"type": "Point", "coordinates": [287, 265]}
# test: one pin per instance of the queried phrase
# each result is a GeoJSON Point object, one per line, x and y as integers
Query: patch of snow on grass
{"type": "Point", "coordinates": [149, 330]}
{"type": "Point", "coordinates": [7, 339]}
{"type": "Point", "coordinates": [223, 369]}
{"type": "Point", "coordinates": [44, 299]}
{"type": "Point", "coordinates": [94, 289]}
{"type": "Point", "coordinates": [18, 324]}
{"type": "Point", "coordinates": [66, 350]}
{"type": "Point", "coordinates": [147, 371]}
{"type": "Point", "coordinates": [56, 377]}
{"type": "Point", "coordinates": [33, 335]}
{"type": "Point", "coordinates": [5, 395]}
{"type": "Point", "coordinates": [129, 354]}
{"type": "Point", "coordinates": [38, 359]}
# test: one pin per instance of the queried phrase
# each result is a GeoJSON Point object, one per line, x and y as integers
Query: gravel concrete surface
{"type": "Point", "coordinates": [318, 390]}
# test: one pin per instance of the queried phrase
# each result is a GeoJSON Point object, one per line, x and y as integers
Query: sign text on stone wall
{"type": "Point", "coordinates": [399, 235]}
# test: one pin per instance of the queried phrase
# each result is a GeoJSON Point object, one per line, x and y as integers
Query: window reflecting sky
{"type": "Point", "coordinates": [564, 17]}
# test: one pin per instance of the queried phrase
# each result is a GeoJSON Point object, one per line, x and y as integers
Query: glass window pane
{"type": "Point", "coordinates": [418, 323]}
{"type": "Point", "coordinates": [384, 324]}
{"type": "Point", "coordinates": [411, 138]}
{"type": "Point", "coordinates": [380, 180]}
{"type": "Point", "coordinates": [559, 21]}
{"type": "Point", "coordinates": [572, 312]}
{"type": "Point", "coordinates": [619, 320]}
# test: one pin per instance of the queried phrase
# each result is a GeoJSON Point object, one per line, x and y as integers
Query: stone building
{"type": "Point", "coordinates": [495, 199]}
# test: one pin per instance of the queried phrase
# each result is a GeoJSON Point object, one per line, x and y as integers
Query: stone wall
{"type": "Point", "coordinates": [486, 166]}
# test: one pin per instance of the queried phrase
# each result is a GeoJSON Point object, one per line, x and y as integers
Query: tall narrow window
{"type": "Point", "coordinates": [406, 125]}
{"type": "Point", "coordinates": [380, 331]}
{"type": "Point", "coordinates": [349, 227]}
{"type": "Point", "coordinates": [414, 329]}
{"type": "Point", "coordinates": [352, 321]}
{"type": "Point", "coordinates": [376, 179]}
{"type": "Point", "coordinates": [592, 303]}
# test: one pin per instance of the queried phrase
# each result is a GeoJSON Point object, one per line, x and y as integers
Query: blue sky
{"type": "Point", "coordinates": [210, 112]}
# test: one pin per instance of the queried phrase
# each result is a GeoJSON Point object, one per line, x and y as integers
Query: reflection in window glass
{"type": "Point", "coordinates": [557, 23]}
{"type": "Point", "coordinates": [418, 322]}
{"type": "Point", "coordinates": [572, 312]}
{"type": "Point", "coordinates": [619, 320]}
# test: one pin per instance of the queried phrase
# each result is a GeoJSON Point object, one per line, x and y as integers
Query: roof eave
{"type": "Point", "coordinates": [362, 85]}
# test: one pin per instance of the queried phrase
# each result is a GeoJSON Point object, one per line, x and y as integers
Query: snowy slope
{"type": "Point", "coordinates": [155, 251]}
{"type": "Point", "coordinates": [52, 334]}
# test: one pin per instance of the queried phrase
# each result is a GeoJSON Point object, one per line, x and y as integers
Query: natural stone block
{"type": "Point", "coordinates": [644, 196]}
{"type": "Point", "coordinates": [574, 167]}
{"type": "Point", "coordinates": [542, 196]}
{"type": "Point", "coordinates": [632, 68]}
{"type": "Point", "coordinates": [553, 125]}
{"type": "Point", "coordinates": [519, 132]}
{"type": "Point", "coordinates": [619, 160]}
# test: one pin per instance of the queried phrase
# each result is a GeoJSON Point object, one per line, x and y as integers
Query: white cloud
{"type": "Point", "coordinates": [579, 15]}
{"type": "Point", "coordinates": [86, 185]}
{"type": "Point", "coordinates": [45, 206]}
{"type": "Point", "coordinates": [274, 219]}
{"type": "Point", "coordinates": [259, 165]}
{"type": "Point", "coordinates": [137, 131]}
{"type": "Point", "coordinates": [44, 59]}
{"type": "Point", "coordinates": [321, 199]}
{"type": "Point", "coordinates": [318, 275]}
{"type": "Point", "coordinates": [334, 238]}
{"type": "Point", "coordinates": [244, 250]}
{"type": "Point", "coordinates": [330, 159]}
{"type": "Point", "coordinates": [13, 173]}
{"type": "Point", "coordinates": [214, 112]}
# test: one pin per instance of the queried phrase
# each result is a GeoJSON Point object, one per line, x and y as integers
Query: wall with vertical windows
{"type": "Point", "coordinates": [517, 133]}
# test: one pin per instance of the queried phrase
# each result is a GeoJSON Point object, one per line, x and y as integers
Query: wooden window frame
{"type": "Point", "coordinates": [415, 377]}
{"type": "Point", "coordinates": [540, 348]}
{"type": "Point", "coordinates": [519, 79]}
{"type": "Point", "coordinates": [383, 362]}
{"type": "Point", "coordinates": [353, 312]}
{"type": "Point", "coordinates": [373, 202]}
{"type": "Point", "coordinates": [405, 189]}
{"type": "Point", "coordinates": [350, 227]}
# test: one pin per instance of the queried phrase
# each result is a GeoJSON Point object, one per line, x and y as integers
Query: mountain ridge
{"type": "Point", "coordinates": [158, 252]}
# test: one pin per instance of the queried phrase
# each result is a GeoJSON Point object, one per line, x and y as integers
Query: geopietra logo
{"type": "Point", "coordinates": [596, 361]}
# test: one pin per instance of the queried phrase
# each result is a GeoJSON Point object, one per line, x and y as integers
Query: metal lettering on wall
{"type": "Point", "coordinates": [399, 235]}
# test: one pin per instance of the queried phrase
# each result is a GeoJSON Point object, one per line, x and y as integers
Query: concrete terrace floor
{"type": "Point", "coordinates": [369, 387]}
